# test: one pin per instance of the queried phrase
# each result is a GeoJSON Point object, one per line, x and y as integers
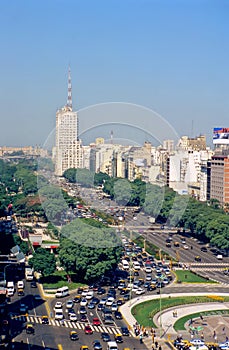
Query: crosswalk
{"type": "Point", "coordinates": [67, 324]}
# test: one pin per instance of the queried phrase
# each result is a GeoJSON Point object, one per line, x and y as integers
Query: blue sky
{"type": "Point", "coordinates": [169, 56]}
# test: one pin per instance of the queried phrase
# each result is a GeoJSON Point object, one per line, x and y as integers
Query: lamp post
{"type": "Point", "coordinates": [5, 271]}
{"type": "Point", "coordinates": [161, 279]}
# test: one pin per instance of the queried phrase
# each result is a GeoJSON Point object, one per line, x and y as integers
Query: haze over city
{"type": "Point", "coordinates": [171, 57]}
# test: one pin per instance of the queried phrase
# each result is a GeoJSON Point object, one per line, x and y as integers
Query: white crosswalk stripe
{"type": "Point", "coordinates": [67, 324]}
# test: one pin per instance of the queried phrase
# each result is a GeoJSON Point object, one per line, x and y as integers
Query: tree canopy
{"type": "Point", "coordinates": [43, 261]}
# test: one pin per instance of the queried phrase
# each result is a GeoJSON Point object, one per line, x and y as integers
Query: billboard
{"type": "Point", "coordinates": [221, 136]}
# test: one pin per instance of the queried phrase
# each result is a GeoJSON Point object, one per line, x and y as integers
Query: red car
{"type": "Point", "coordinates": [88, 330]}
{"type": "Point", "coordinates": [96, 321]}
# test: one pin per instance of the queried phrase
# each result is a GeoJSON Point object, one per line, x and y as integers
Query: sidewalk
{"type": "Point", "coordinates": [167, 320]}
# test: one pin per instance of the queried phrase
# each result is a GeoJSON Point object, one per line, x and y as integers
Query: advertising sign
{"type": "Point", "coordinates": [221, 136]}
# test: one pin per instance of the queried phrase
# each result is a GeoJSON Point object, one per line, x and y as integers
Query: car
{"type": "Point", "coordinates": [168, 245]}
{"type": "Point", "coordinates": [84, 347]}
{"type": "Point", "coordinates": [88, 329]}
{"type": "Point", "coordinates": [120, 301]}
{"type": "Point", "coordinates": [118, 338]}
{"type": "Point", "coordinates": [91, 305]}
{"type": "Point", "coordinates": [197, 342]}
{"type": "Point", "coordinates": [90, 295]}
{"type": "Point", "coordinates": [83, 302]}
{"type": "Point", "coordinates": [126, 297]}
{"type": "Point", "coordinates": [84, 292]}
{"type": "Point", "coordinates": [20, 292]}
{"type": "Point", "coordinates": [148, 269]}
{"type": "Point", "coordinates": [105, 336]}
{"type": "Point", "coordinates": [186, 247]}
{"type": "Point", "coordinates": [97, 345]}
{"type": "Point", "coordinates": [118, 315]}
{"type": "Point", "coordinates": [20, 285]}
{"type": "Point", "coordinates": [109, 301]}
{"type": "Point", "coordinates": [197, 258]}
{"type": "Point", "coordinates": [72, 317]}
{"type": "Point", "coordinates": [59, 315]}
{"type": "Point", "coordinates": [58, 305]}
{"type": "Point", "coordinates": [101, 291]}
{"type": "Point", "coordinates": [74, 335]}
{"type": "Point", "coordinates": [176, 244]}
{"type": "Point", "coordinates": [148, 278]}
{"type": "Point", "coordinates": [69, 304]}
{"type": "Point", "coordinates": [183, 241]}
{"type": "Point", "coordinates": [33, 284]}
{"type": "Point", "coordinates": [96, 321]}
{"type": "Point", "coordinates": [83, 318]}
{"type": "Point", "coordinates": [95, 300]}
{"type": "Point", "coordinates": [203, 249]}
{"type": "Point", "coordinates": [29, 328]}
{"type": "Point", "coordinates": [77, 299]}
{"type": "Point", "coordinates": [103, 301]}
{"type": "Point", "coordinates": [83, 310]}
{"type": "Point", "coordinates": [140, 291]}
{"type": "Point", "coordinates": [151, 287]}
{"type": "Point", "coordinates": [166, 281]}
{"type": "Point", "coordinates": [108, 319]}
{"type": "Point", "coordinates": [44, 320]}
{"type": "Point", "coordinates": [100, 307]}
{"type": "Point", "coordinates": [219, 257]}
{"type": "Point", "coordinates": [224, 345]}
{"type": "Point", "coordinates": [125, 331]}
{"type": "Point", "coordinates": [114, 307]}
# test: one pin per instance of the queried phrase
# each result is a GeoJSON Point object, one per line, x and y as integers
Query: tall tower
{"type": "Point", "coordinates": [68, 150]}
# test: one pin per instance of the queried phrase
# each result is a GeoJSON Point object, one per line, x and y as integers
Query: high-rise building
{"type": "Point", "coordinates": [68, 147]}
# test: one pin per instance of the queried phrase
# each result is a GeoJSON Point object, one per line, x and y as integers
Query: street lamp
{"type": "Point", "coordinates": [160, 322]}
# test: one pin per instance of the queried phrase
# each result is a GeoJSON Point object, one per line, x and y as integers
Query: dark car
{"type": "Point", "coordinates": [118, 315]}
{"type": "Point", "coordinates": [30, 329]}
{"type": "Point", "coordinates": [100, 307]}
{"type": "Point", "coordinates": [125, 331]}
{"type": "Point", "coordinates": [108, 320]}
{"type": "Point", "coordinates": [77, 299]}
{"type": "Point", "coordinates": [95, 300]}
{"type": "Point", "coordinates": [83, 310]}
{"type": "Point", "coordinates": [126, 297]}
{"type": "Point", "coordinates": [203, 249]}
{"type": "Point", "coordinates": [83, 318]}
{"type": "Point", "coordinates": [91, 305]}
{"type": "Point", "coordinates": [97, 345]}
{"type": "Point", "coordinates": [45, 320]}
{"type": "Point", "coordinates": [105, 337]}
{"type": "Point", "coordinates": [197, 258]}
{"type": "Point", "coordinates": [74, 335]}
{"type": "Point", "coordinates": [101, 291]}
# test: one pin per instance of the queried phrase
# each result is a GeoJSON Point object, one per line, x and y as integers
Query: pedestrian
{"type": "Point", "coordinates": [141, 340]}
{"type": "Point", "coordinates": [201, 317]}
{"type": "Point", "coordinates": [226, 338]}
{"type": "Point", "coordinates": [202, 336]}
{"type": "Point", "coordinates": [223, 330]}
{"type": "Point", "coordinates": [156, 344]}
{"type": "Point", "coordinates": [214, 334]}
{"type": "Point", "coordinates": [160, 348]}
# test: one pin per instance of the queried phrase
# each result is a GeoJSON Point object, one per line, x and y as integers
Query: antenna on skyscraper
{"type": "Point", "coordinates": [69, 102]}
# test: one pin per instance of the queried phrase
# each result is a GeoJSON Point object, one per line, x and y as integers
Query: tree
{"type": "Point", "coordinates": [43, 261]}
{"type": "Point", "coordinates": [87, 250]}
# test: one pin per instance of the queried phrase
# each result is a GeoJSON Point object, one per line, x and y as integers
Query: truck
{"type": "Point", "coordinates": [29, 274]}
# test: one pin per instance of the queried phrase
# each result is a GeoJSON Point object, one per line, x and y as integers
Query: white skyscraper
{"type": "Point", "coordinates": [68, 147]}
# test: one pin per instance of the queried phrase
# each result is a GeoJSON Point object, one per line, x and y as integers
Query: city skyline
{"type": "Point", "coordinates": [170, 58]}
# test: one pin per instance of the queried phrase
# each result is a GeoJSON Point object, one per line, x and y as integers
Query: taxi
{"type": "Point", "coordinates": [74, 335]}
{"type": "Point", "coordinates": [176, 244]}
{"type": "Point", "coordinates": [29, 328]}
{"type": "Point", "coordinates": [44, 320]}
{"type": "Point", "coordinates": [197, 258]}
{"type": "Point", "coordinates": [84, 347]}
{"type": "Point", "coordinates": [20, 292]}
{"type": "Point", "coordinates": [118, 338]}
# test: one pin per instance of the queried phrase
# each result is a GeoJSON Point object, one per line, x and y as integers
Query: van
{"type": "Point", "coordinates": [125, 265]}
{"type": "Point", "coordinates": [10, 288]}
{"type": "Point", "coordinates": [62, 292]}
{"type": "Point", "coordinates": [20, 284]}
{"type": "Point", "coordinates": [112, 345]}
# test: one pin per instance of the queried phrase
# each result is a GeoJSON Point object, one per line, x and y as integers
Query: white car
{"type": "Point", "coordinates": [72, 317]}
{"type": "Point", "coordinates": [58, 306]}
{"type": "Point", "coordinates": [224, 346]}
{"type": "Point", "coordinates": [20, 285]}
{"type": "Point", "coordinates": [109, 301]}
{"type": "Point", "coordinates": [69, 304]}
{"type": "Point", "coordinates": [59, 315]}
{"type": "Point", "coordinates": [196, 342]}
{"type": "Point", "coordinates": [186, 246]}
{"type": "Point", "coordinates": [103, 301]}
{"type": "Point", "coordinates": [140, 291]}
{"type": "Point", "coordinates": [83, 302]}
{"type": "Point", "coordinates": [84, 292]}
{"type": "Point", "coordinates": [148, 269]}
{"type": "Point", "coordinates": [90, 295]}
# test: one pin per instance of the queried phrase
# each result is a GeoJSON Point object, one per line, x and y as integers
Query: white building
{"type": "Point", "coordinates": [68, 147]}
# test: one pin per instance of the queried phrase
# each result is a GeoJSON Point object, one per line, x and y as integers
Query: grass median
{"type": "Point", "coordinates": [186, 276]}
{"type": "Point", "coordinates": [145, 312]}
